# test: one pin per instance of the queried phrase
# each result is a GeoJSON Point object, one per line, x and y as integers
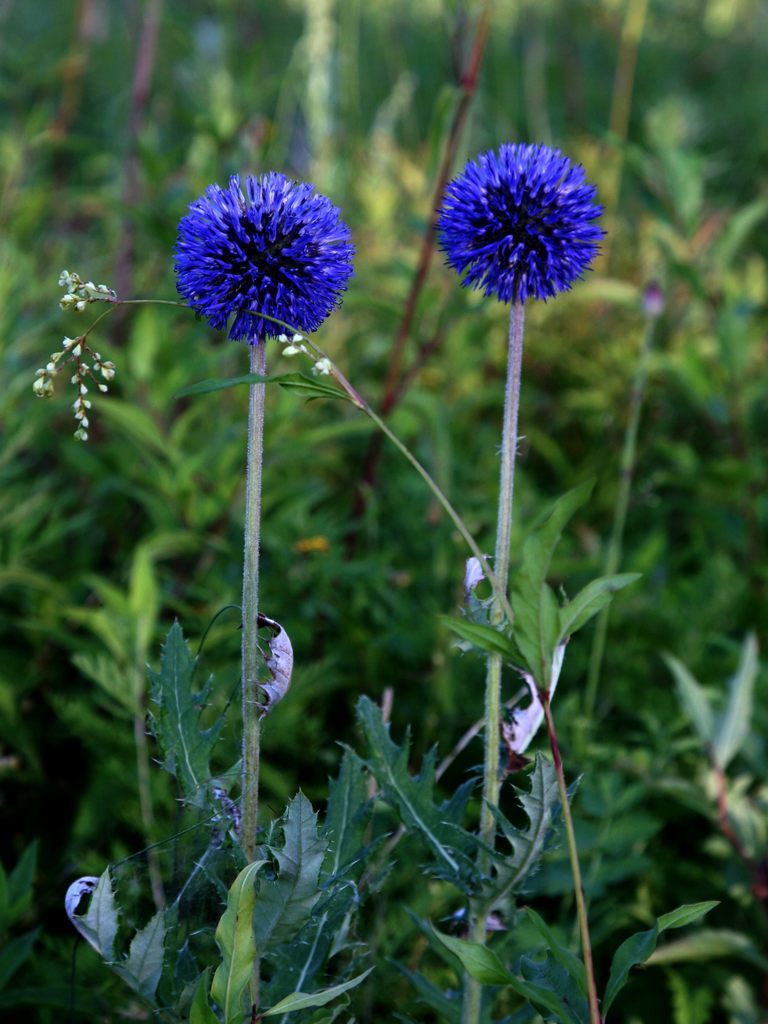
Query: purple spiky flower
{"type": "Point", "coordinates": [270, 246]}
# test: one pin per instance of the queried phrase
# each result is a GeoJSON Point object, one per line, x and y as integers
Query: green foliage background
{"type": "Point", "coordinates": [103, 544]}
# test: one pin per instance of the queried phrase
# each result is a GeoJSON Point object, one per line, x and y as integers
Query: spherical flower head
{"type": "Point", "coordinates": [519, 222]}
{"type": "Point", "coordinates": [270, 246]}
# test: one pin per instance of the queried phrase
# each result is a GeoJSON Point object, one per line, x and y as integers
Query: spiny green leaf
{"type": "Point", "coordinates": [733, 726]}
{"type": "Point", "coordinates": [286, 902]}
{"type": "Point", "coordinates": [527, 844]}
{"type": "Point", "coordinates": [142, 968]}
{"type": "Point", "coordinates": [589, 601]}
{"type": "Point", "coordinates": [694, 700]}
{"type": "Point", "coordinates": [638, 947]}
{"type": "Point", "coordinates": [234, 937]}
{"type": "Point", "coordinates": [412, 795]}
{"type": "Point", "coordinates": [176, 716]}
{"type": "Point", "coordinates": [549, 975]}
{"type": "Point", "coordinates": [99, 923]}
{"type": "Point", "coordinates": [347, 815]}
{"type": "Point", "coordinates": [303, 1000]}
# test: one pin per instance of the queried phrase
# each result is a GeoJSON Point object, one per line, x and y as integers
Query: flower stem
{"type": "Point", "coordinates": [509, 440]}
{"type": "Point", "coordinates": [613, 554]}
{"type": "Point", "coordinates": [250, 647]}
{"type": "Point", "coordinates": [573, 854]}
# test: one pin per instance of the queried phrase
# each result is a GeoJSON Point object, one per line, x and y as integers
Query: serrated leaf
{"type": "Point", "coordinates": [98, 925]}
{"type": "Point", "coordinates": [412, 795]}
{"type": "Point", "coordinates": [694, 700]}
{"type": "Point", "coordinates": [304, 1001]}
{"type": "Point", "coordinates": [286, 902]}
{"type": "Point", "coordinates": [235, 939]}
{"type": "Point", "coordinates": [527, 844]}
{"type": "Point", "coordinates": [589, 601]}
{"type": "Point", "coordinates": [142, 968]}
{"type": "Point", "coordinates": [733, 726]}
{"type": "Point", "coordinates": [347, 815]}
{"type": "Point", "coordinates": [485, 637]}
{"type": "Point", "coordinates": [176, 716]}
{"type": "Point", "coordinates": [200, 1011]}
{"type": "Point", "coordinates": [639, 947]}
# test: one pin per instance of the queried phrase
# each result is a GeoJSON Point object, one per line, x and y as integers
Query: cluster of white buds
{"type": "Point", "coordinates": [75, 351]}
{"type": "Point", "coordinates": [80, 293]}
{"type": "Point", "coordinates": [322, 367]}
{"type": "Point", "coordinates": [293, 346]}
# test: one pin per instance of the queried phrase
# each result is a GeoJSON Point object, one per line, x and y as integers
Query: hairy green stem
{"type": "Point", "coordinates": [250, 644]}
{"type": "Point", "coordinates": [573, 855]}
{"type": "Point", "coordinates": [613, 554]}
{"type": "Point", "coordinates": [492, 724]}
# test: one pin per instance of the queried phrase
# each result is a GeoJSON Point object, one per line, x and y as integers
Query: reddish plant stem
{"type": "Point", "coordinates": [142, 80]}
{"type": "Point", "coordinates": [578, 888]}
{"type": "Point", "coordinates": [394, 384]}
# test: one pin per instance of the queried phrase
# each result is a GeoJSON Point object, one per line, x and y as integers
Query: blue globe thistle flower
{"type": "Point", "coordinates": [520, 223]}
{"type": "Point", "coordinates": [272, 246]}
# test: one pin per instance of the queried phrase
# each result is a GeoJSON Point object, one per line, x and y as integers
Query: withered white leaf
{"type": "Point", "coordinates": [526, 721]}
{"type": "Point", "coordinates": [279, 663]}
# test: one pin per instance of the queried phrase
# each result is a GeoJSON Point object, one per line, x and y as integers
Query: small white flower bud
{"type": "Point", "coordinates": [322, 367]}
{"type": "Point", "coordinates": [103, 387]}
{"type": "Point", "coordinates": [297, 338]}
{"type": "Point", "coordinates": [291, 350]}
{"type": "Point", "coordinates": [87, 404]}
{"type": "Point", "coordinates": [282, 338]}
{"type": "Point", "coordinates": [80, 306]}
{"type": "Point", "coordinates": [81, 435]}
{"type": "Point", "coordinates": [77, 350]}
{"type": "Point", "coordinates": [83, 389]}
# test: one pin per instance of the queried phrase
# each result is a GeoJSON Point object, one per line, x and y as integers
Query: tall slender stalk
{"type": "Point", "coordinates": [613, 554]}
{"type": "Point", "coordinates": [573, 855]}
{"type": "Point", "coordinates": [509, 440]}
{"type": "Point", "coordinates": [250, 649]}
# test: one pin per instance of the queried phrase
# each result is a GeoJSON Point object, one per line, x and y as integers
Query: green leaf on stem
{"type": "Point", "coordinates": [481, 963]}
{"type": "Point", "coordinates": [413, 796]}
{"type": "Point", "coordinates": [486, 638]}
{"type": "Point", "coordinates": [309, 387]}
{"type": "Point", "coordinates": [347, 816]}
{"type": "Point", "coordinates": [589, 601]}
{"type": "Point", "coordinates": [142, 968]}
{"type": "Point", "coordinates": [286, 902]}
{"type": "Point", "coordinates": [234, 937]}
{"type": "Point", "coordinates": [639, 947]}
{"type": "Point", "coordinates": [567, 960]}
{"type": "Point", "coordinates": [527, 845]}
{"type": "Point", "coordinates": [304, 1000]}
{"type": "Point", "coordinates": [537, 624]}
{"type": "Point", "coordinates": [175, 716]}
